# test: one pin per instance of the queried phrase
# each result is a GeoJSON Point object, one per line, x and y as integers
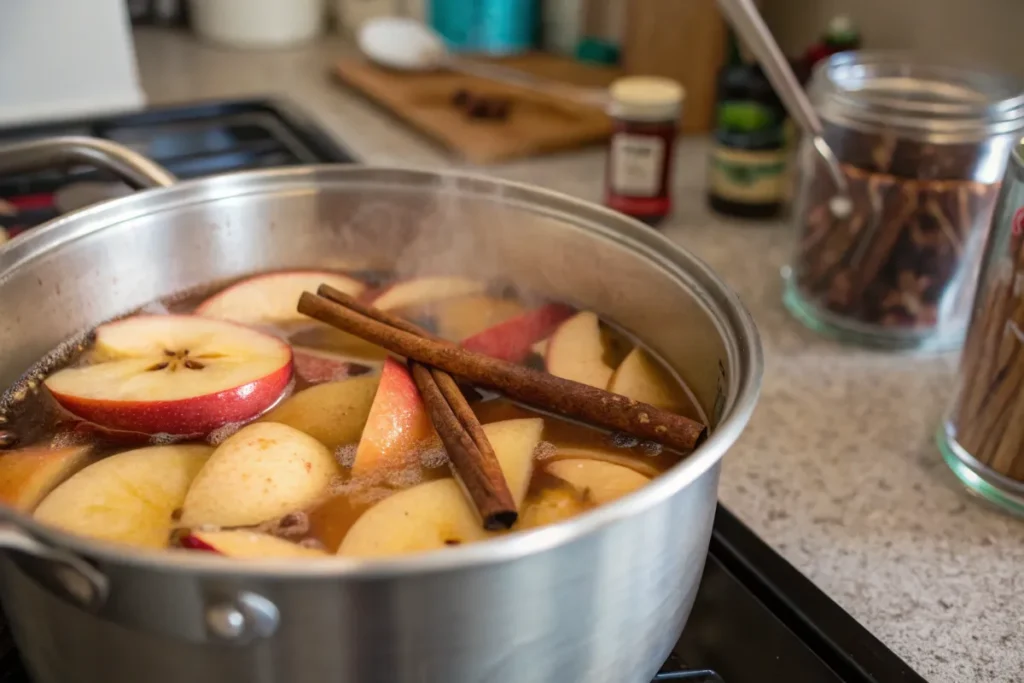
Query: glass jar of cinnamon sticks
{"type": "Point", "coordinates": [922, 148]}
{"type": "Point", "coordinates": [982, 438]}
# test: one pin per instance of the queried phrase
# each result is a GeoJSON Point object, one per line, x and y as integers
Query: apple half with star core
{"type": "Point", "coordinates": [174, 374]}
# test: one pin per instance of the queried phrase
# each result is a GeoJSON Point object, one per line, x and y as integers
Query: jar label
{"type": "Point", "coordinates": [748, 176]}
{"type": "Point", "coordinates": [637, 164]}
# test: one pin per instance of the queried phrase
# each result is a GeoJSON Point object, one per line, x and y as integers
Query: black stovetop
{"type": "Point", "coordinates": [756, 619]}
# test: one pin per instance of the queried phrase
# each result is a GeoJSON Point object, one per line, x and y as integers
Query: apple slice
{"type": "Point", "coordinates": [576, 351]}
{"type": "Point", "coordinates": [462, 317]}
{"type": "Point", "coordinates": [333, 413]}
{"type": "Point", "coordinates": [597, 481]}
{"type": "Point", "coordinates": [641, 378]}
{"type": "Point", "coordinates": [425, 517]}
{"type": "Point", "coordinates": [514, 442]}
{"type": "Point", "coordinates": [247, 545]}
{"type": "Point", "coordinates": [397, 427]}
{"type": "Point", "coordinates": [553, 505]}
{"type": "Point", "coordinates": [27, 475]}
{"type": "Point", "coordinates": [606, 455]}
{"type": "Point", "coordinates": [128, 498]}
{"type": "Point", "coordinates": [513, 339]}
{"type": "Point", "coordinates": [420, 291]}
{"type": "Point", "coordinates": [272, 297]}
{"type": "Point", "coordinates": [174, 374]}
{"type": "Point", "coordinates": [317, 337]}
{"type": "Point", "coordinates": [317, 367]}
{"type": "Point", "coordinates": [262, 472]}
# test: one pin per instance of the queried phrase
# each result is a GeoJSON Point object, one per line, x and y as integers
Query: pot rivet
{"type": "Point", "coordinates": [226, 621]}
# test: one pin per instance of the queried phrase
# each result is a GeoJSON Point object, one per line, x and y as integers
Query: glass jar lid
{"type": "Point", "coordinates": [915, 98]}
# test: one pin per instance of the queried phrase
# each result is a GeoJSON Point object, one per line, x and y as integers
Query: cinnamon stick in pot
{"type": "Point", "coordinates": [539, 389]}
{"type": "Point", "coordinates": [473, 460]}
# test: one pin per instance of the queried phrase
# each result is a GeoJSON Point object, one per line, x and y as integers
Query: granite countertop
{"type": "Point", "coordinates": [837, 469]}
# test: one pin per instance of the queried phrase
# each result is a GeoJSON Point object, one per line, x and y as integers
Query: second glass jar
{"type": "Point", "coordinates": [923, 149]}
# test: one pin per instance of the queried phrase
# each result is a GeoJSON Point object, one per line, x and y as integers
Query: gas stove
{"type": "Point", "coordinates": [756, 619]}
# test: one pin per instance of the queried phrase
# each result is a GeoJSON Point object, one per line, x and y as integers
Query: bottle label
{"type": "Point", "coordinates": [637, 164]}
{"type": "Point", "coordinates": [747, 176]}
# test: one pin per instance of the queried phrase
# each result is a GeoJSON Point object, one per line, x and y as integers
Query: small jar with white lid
{"type": "Point", "coordinates": [645, 111]}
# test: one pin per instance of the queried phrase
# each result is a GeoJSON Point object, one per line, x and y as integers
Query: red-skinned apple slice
{"type": "Point", "coordinates": [576, 351]}
{"type": "Point", "coordinates": [247, 545]}
{"type": "Point", "coordinates": [397, 427]}
{"type": "Point", "coordinates": [641, 378]}
{"type": "Point", "coordinates": [174, 374]}
{"type": "Point", "coordinates": [462, 317]}
{"type": "Point", "coordinates": [513, 339]}
{"type": "Point", "coordinates": [27, 475]}
{"type": "Point", "coordinates": [128, 498]}
{"type": "Point", "coordinates": [272, 297]}
{"type": "Point", "coordinates": [420, 291]}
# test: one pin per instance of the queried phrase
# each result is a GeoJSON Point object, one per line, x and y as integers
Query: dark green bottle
{"type": "Point", "coordinates": [747, 170]}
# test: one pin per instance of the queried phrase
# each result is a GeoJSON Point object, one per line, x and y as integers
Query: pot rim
{"type": "Point", "coordinates": [744, 350]}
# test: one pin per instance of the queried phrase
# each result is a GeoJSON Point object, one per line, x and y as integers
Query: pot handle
{"type": "Point", "coordinates": [130, 166]}
{"type": "Point", "coordinates": [68, 575]}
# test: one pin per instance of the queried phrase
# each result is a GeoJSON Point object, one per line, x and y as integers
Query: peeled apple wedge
{"type": "Point", "coordinates": [514, 442]}
{"type": "Point", "coordinates": [272, 297]}
{"type": "Point", "coordinates": [247, 545]}
{"type": "Point", "coordinates": [333, 413]}
{"type": "Point", "coordinates": [262, 472]}
{"type": "Point", "coordinates": [597, 481]}
{"type": "Point", "coordinates": [27, 475]}
{"type": "Point", "coordinates": [576, 351]}
{"type": "Point", "coordinates": [420, 291]}
{"type": "Point", "coordinates": [438, 514]}
{"type": "Point", "coordinates": [174, 374]}
{"type": "Point", "coordinates": [425, 517]}
{"type": "Point", "coordinates": [550, 507]}
{"type": "Point", "coordinates": [126, 498]}
{"type": "Point", "coordinates": [641, 378]}
{"type": "Point", "coordinates": [609, 456]}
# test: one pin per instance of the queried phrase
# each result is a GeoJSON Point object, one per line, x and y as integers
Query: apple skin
{"type": "Point", "coordinates": [27, 475]}
{"type": "Point", "coordinates": [186, 416]}
{"type": "Point", "coordinates": [398, 424]}
{"type": "Point", "coordinates": [513, 339]}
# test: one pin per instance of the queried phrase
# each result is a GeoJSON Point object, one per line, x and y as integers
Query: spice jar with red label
{"type": "Point", "coordinates": [646, 112]}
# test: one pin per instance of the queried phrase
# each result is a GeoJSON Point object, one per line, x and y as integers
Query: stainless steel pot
{"type": "Point", "coordinates": [599, 598]}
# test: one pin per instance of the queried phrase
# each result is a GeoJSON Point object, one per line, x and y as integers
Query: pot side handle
{"type": "Point", "coordinates": [130, 166]}
{"type": "Point", "coordinates": [68, 575]}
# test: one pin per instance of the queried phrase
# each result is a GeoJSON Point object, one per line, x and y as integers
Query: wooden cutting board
{"type": "Point", "coordinates": [538, 122]}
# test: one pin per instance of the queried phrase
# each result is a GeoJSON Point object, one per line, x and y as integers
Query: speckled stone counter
{"type": "Point", "coordinates": [837, 470]}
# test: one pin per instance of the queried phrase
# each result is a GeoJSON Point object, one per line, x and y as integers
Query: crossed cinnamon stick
{"type": "Point", "coordinates": [433, 361]}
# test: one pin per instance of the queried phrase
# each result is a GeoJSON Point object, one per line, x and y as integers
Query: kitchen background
{"type": "Point", "coordinates": [839, 471]}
